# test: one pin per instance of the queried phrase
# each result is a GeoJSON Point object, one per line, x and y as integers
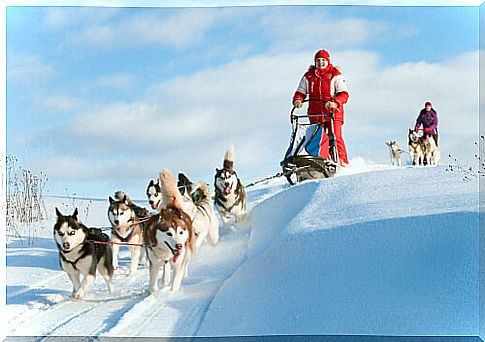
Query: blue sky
{"type": "Point", "coordinates": [102, 98]}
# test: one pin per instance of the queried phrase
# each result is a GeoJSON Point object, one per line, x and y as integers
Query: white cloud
{"type": "Point", "coordinates": [306, 29]}
{"type": "Point", "coordinates": [117, 81]}
{"type": "Point", "coordinates": [28, 69]}
{"type": "Point", "coordinates": [188, 122]}
{"type": "Point", "coordinates": [57, 103]}
{"type": "Point", "coordinates": [154, 27]}
{"type": "Point", "coordinates": [67, 18]}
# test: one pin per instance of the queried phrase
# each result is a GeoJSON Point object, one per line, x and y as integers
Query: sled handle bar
{"type": "Point", "coordinates": [295, 116]}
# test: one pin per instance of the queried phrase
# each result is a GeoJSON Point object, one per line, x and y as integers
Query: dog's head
{"type": "Point", "coordinates": [173, 229]}
{"type": "Point", "coordinates": [119, 212]}
{"type": "Point", "coordinates": [190, 191]}
{"type": "Point", "coordinates": [68, 231]}
{"type": "Point", "coordinates": [154, 194]}
{"type": "Point", "coordinates": [226, 181]}
{"type": "Point", "coordinates": [413, 136]}
{"type": "Point", "coordinates": [184, 185]}
{"type": "Point", "coordinates": [392, 145]}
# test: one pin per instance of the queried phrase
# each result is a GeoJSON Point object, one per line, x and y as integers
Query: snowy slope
{"type": "Point", "coordinates": [376, 250]}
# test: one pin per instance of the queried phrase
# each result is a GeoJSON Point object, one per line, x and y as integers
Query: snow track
{"type": "Point", "coordinates": [44, 308]}
{"type": "Point", "coordinates": [313, 259]}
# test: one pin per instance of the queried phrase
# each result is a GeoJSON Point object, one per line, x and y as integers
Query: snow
{"type": "Point", "coordinates": [376, 250]}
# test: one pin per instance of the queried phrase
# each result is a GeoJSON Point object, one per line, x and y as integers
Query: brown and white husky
{"type": "Point", "coordinates": [169, 238]}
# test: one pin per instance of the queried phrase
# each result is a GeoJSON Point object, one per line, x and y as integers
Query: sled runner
{"type": "Point", "coordinates": [303, 160]}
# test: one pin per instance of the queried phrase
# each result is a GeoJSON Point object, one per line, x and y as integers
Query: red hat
{"type": "Point", "coordinates": [322, 54]}
{"type": "Point", "coordinates": [428, 104]}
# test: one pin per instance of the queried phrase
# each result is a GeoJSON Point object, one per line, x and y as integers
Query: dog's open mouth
{"type": "Point", "coordinates": [227, 190]}
{"type": "Point", "coordinates": [155, 205]}
{"type": "Point", "coordinates": [176, 251]}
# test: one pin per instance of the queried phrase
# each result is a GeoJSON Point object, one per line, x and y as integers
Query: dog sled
{"type": "Point", "coordinates": [303, 160]}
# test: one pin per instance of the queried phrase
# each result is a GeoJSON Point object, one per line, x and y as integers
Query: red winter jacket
{"type": "Point", "coordinates": [327, 84]}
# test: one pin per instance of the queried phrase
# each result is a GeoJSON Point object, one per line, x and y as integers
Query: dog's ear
{"type": "Point", "coordinates": [184, 179]}
{"type": "Point", "coordinates": [388, 143]}
{"type": "Point", "coordinates": [74, 214]}
{"type": "Point", "coordinates": [58, 213]}
{"type": "Point", "coordinates": [111, 201]}
{"type": "Point", "coordinates": [151, 183]}
{"type": "Point", "coordinates": [125, 200]}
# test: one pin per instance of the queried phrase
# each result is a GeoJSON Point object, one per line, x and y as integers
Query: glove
{"type": "Point", "coordinates": [416, 129]}
{"type": "Point", "coordinates": [297, 104]}
{"type": "Point", "coordinates": [428, 130]}
{"type": "Point", "coordinates": [330, 105]}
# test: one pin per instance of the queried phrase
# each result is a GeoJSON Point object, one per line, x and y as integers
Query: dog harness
{"type": "Point", "coordinates": [127, 238]}
{"type": "Point", "coordinates": [73, 263]}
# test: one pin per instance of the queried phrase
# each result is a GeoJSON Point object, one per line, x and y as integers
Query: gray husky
{"type": "Point", "coordinates": [395, 151]}
{"type": "Point", "coordinates": [79, 254]}
{"type": "Point", "coordinates": [125, 216]}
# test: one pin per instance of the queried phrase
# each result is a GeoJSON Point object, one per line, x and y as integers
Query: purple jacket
{"type": "Point", "coordinates": [427, 119]}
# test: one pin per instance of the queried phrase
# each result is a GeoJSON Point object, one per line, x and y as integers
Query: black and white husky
{"type": "Point", "coordinates": [197, 203]}
{"type": "Point", "coordinates": [125, 216]}
{"type": "Point", "coordinates": [416, 148]}
{"type": "Point", "coordinates": [230, 195]}
{"type": "Point", "coordinates": [79, 254]}
{"type": "Point", "coordinates": [154, 194]}
{"type": "Point", "coordinates": [169, 238]}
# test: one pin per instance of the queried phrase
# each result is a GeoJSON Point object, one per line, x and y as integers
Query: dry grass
{"type": "Point", "coordinates": [469, 172]}
{"type": "Point", "coordinates": [25, 206]}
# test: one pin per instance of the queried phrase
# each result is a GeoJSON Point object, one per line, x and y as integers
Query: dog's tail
{"type": "Point", "coordinates": [229, 159]}
{"type": "Point", "coordinates": [203, 192]}
{"type": "Point", "coordinates": [170, 193]}
{"type": "Point", "coordinates": [122, 197]}
{"type": "Point", "coordinates": [205, 198]}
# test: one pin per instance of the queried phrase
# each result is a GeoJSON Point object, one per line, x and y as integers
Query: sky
{"type": "Point", "coordinates": [101, 99]}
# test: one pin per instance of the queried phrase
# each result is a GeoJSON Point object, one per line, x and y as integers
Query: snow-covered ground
{"type": "Point", "coordinates": [377, 250]}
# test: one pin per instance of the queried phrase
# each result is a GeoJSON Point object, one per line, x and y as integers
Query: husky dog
{"type": "Point", "coordinates": [230, 195]}
{"type": "Point", "coordinates": [79, 254]}
{"type": "Point", "coordinates": [395, 152]}
{"type": "Point", "coordinates": [169, 238]}
{"type": "Point", "coordinates": [123, 215]}
{"type": "Point", "coordinates": [197, 203]}
{"type": "Point", "coordinates": [431, 151]}
{"type": "Point", "coordinates": [154, 194]}
{"type": "Point", "coordinates": [416, 148]}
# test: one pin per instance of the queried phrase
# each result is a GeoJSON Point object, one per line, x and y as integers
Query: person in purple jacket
{"type": "Point", "coordinates": [429, 119]}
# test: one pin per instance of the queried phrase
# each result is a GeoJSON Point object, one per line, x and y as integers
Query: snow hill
{"type": "Point", "coordinates": [378, 250]}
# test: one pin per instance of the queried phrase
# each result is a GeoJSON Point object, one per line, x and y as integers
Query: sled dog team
{"type": "Point", "coordinates": [184, 217]}
{"type": "Point", "coordinates": [422, 150]}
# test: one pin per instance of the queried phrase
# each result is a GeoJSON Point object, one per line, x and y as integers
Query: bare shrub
{"type": "Point", "coordinates": [25, 200]}
{"type": "Point", "coordinates": [469, 172]}
{"type": "Point", "coordinates": [72, 201]}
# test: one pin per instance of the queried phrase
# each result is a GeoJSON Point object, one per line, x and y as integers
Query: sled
{"type": "Point", "coordinates": [302, 160]}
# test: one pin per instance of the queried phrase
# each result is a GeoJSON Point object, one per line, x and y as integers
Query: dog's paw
{"type": "Point", "coordinates": [153, 289]}
{"type": "Point", "coordinates": [77, 296]}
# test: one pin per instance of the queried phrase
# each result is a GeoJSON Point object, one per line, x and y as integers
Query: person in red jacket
{"type": "Point", "coordinates": [324, 81]}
